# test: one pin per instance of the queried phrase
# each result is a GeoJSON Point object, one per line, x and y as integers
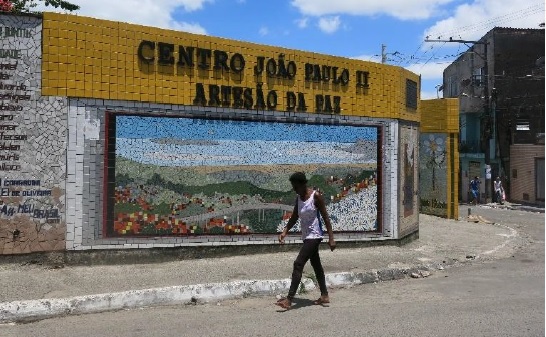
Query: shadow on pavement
{"type": "Point", "coordinates": [302, 303]}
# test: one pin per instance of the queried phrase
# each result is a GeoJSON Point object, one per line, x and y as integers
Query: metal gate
{"type": "Point", "coordinates": [539, 178]}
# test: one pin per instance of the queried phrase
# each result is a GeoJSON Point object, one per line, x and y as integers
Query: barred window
{"type": "Point", "coordinates": [411, 94]}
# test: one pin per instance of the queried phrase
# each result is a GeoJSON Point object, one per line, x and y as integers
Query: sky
{"type": "Point", "coordinates": [348, 28]}
{"type": "Point", "coordinates": [201, 129]}
{"type": "Point", "coordinates": [237, 142]}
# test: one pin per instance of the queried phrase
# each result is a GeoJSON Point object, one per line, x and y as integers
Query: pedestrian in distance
{"type": "Point", "coordinates": [309, 208]}
{"type": "Point", "coordinates": [499, 190]}
{"type": "Point", "coordinates": [475, 189]}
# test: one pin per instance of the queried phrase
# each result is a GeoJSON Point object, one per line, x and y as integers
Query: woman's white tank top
{"type": "Point", "coordinates": [309, 220]}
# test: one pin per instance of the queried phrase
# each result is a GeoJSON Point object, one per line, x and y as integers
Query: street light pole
{"type": "Point", "coordinates": [487, 126]}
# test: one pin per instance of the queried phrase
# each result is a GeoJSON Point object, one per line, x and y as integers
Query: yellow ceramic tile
{"type": "Point", "coordinates": [112, 46]}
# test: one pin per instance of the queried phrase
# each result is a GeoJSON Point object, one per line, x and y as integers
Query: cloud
{"type": "Point", "coordinates": [429, 71]}
{"type": "Point", "coordinates": [263, 31]}
{"type": "Point", "coordinates": [189, 27]}
{"type": "Point", "coordinates": [157, 13]}
{"type": "Point", "coordinates": [472, 20]}
{"type": "Point", "coordinates": [190, 156]}
{"type": "Point", "coordinates": [401, 9]}
{"type": "Point", "coordinates": [302, 23]}
{"type": "Point", "coordinates": [329, 24]}
{"type": "Point", "coordinates": [367, 57]}
{"type": "Point", "coordinates": [429, 95]}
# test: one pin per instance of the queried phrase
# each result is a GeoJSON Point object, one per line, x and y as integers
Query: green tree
{"type": "Point", "coordinates": [27, 6]}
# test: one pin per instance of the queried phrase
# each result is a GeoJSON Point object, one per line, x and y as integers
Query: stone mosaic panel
{"type": "Point", "coordinates": [86, 197]}
{"type": "Point", "coordinates": [190, 176]}
{"type": "Point", "coordinates": [433, 171]}
{"type": "Point", "coordinates": [408, 179]}
{"type": "Point", "coordinates": [32, 145]}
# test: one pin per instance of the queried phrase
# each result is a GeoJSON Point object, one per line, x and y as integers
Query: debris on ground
{"type": "Point", "coordinates": [420, 274]}
{"type": "Point", "coordinates": [478, 219]}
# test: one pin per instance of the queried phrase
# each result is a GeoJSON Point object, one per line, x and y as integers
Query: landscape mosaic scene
{"type": "Point", "coordinates": [184, 176]}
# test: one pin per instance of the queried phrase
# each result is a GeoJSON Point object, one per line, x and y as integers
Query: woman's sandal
{"type": "Point", "coordinates": [321, 301]}
{"type": "Point", "coordinates": [284, 303]}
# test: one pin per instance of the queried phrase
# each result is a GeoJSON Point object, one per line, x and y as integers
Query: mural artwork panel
{"type": "Point", "coordinates": [33, 131]}
{"type": "Point", "coordinates": [433, 173]}
{"type": "Point", "coordinates": [408, 179]}
{"type": "Point", "coordinates": [186, 176]}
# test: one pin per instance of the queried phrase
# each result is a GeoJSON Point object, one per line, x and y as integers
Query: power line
{"type": "Point", "coordinates": [477, 26]}
{"type": "Point", "coordinates": [492, 20]}
{"type": "Point", "coordinates": [506, 17]}
{"type": "Point", "coordinates": [424, 64]}
{"type": "Point", "coordinates": [415, 52]}
{"type": "Point", "coordinates": [415, 57]}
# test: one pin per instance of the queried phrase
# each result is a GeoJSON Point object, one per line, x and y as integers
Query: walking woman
{"type": "Point", "coordinates": [308, 208]}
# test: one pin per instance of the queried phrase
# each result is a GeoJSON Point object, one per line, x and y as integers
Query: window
{"type": "Point", "coordinates": [478, 77]}
{"type": "Point", "coordinates": [523, 125]}
{"type": "Point", "coordinates": [411, 94]}
{"type": "Point", "coordinates": [452, 86]}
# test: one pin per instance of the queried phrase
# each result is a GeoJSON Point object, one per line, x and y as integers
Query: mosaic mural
{"type": "Point", "coordinates": [187, 176]}
{"type": "Point", "coordinates": [33, 131]}
{"type": "Point", "coordinates": [408, 178]}
{"type": "Point", "coordinates": [433, 173]}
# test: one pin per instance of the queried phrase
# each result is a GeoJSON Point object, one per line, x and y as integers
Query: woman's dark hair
{"type": "Point", "coordinates": [298, 178]}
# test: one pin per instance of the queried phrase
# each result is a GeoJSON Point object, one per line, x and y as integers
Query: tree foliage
{"type": "Point", "coordinates": [28, 6]}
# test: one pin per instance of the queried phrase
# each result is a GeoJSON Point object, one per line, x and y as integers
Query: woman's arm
{"type": "Point", "coordinates": [291, 222]}
{"type": "Point", "coordinates": [321, 206]}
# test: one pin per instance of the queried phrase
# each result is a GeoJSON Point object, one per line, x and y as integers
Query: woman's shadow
{"type": "Point", "coordinates": [302, 303]}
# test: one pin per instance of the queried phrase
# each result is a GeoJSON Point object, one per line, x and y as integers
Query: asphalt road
{"type": "Point", "coordinates": [493, 298]}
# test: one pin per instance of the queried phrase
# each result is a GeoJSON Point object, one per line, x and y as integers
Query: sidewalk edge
{"type": "Point", "coordinates": [34, 310]}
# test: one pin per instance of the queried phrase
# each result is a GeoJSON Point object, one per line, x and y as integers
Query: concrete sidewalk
{"type": "Point", "coordinates": [441, 244]}
{"type": "Point", "coordinates": [508, 206]}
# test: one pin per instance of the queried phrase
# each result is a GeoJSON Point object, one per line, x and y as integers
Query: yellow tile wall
{"type": "Point", "coordinates": [440, 115]}
{"type": "Point", "coordinates": [92, 58]}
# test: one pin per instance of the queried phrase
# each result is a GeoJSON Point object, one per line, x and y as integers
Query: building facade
{"type": "Point", "coordinates": [119, 136]}
{"type": "Point", "coordinates": [501, 104]}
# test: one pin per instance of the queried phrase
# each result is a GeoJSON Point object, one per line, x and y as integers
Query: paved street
{"type": "Point", "coordinates": [503, 297]}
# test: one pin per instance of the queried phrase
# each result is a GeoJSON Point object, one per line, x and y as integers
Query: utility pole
{"type": "Point", "coordinates": [385, 55]}
{"type": "Point", "coordinates": [486, 110]}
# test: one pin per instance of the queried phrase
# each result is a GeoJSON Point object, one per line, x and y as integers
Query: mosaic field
{"type": "Point", "coordinates": [181, 176]}
{"type": "Point", "coordinates": [432, 156]}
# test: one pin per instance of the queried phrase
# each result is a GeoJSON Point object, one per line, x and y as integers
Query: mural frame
{"type": "Point", "coordinates": [408, 220]}
{"type": "Point", "coordinates": [435, 150]}
{"type": "Point", "coordinates": [110, 152]}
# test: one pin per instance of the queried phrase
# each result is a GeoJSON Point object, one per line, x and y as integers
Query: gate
{"type": "Point", "coordinates": [539, 179]}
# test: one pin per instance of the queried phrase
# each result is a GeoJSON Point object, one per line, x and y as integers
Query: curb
{"type": "Point", "coordinates": [514, 207]}
{"type": "Point", "coordinates": [34, 310]}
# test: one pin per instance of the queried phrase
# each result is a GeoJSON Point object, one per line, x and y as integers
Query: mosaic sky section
{"type": "Point", "coordinates": [194, 142]}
